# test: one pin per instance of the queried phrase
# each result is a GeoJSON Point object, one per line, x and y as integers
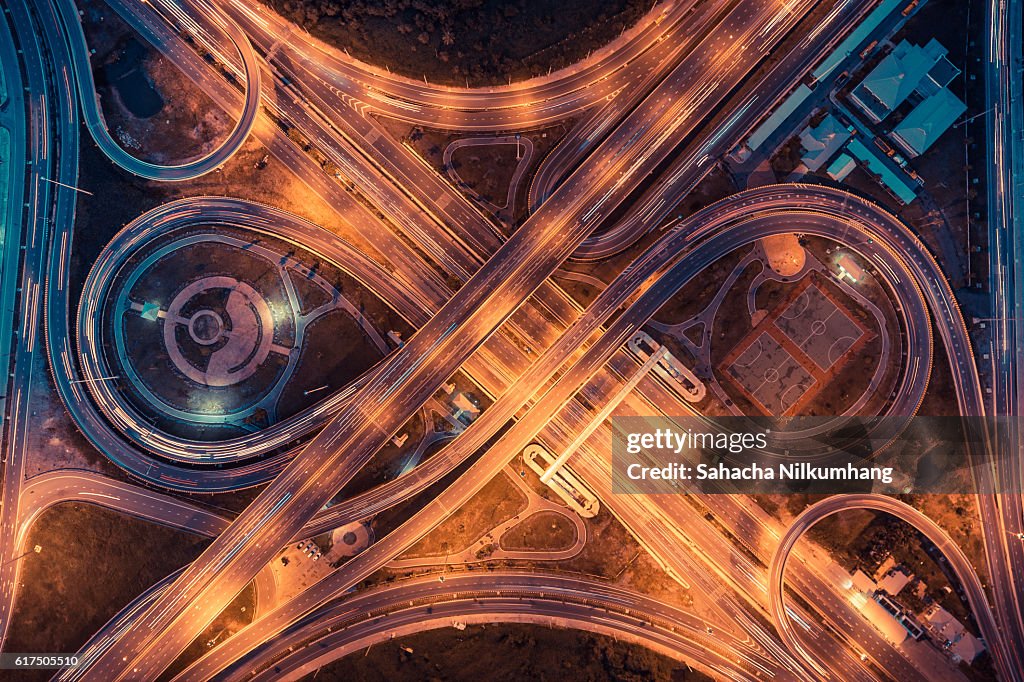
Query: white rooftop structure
{"type": "Point", "coordinates": [894, 581]}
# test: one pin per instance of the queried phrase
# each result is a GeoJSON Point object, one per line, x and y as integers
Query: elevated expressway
{"type": "Point", "coordinates": [717, 231]}
{"type": "Point", "coordinates": [443, 224]}
{"type": "Point", "coordinates": [180, 215]}
{"type": "Point", "coordinates": [727, 236]}
{"type": "Point", "coordinates": [553, 301]}
{"type": "Point", "coordinates": [97, 125]}
{"type": "Point", "coordinates": [642, 50]}
{"type": "Point", "coordinates": [356, 621]}
{"type": "Point", "coordinates": [51, 127]}
{"type": "Point", "coordinates": [995, 638]}
{"type": "Point", "coordinates": [463, 222]}
{"type": "Point", "coordinates": [671, 115]}
{"type": "Point", "coordinates": [73, 485]}
{"type": "Point", "coordinates": [456, 214]}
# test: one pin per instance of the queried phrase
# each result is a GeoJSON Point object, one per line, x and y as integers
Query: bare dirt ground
{"type": "Point", "coordinates": [63, 598]}
{"type": "Point", "coordinates": [188, 125]}
{"type": "Point", "coordinates": [544, 531]}
{"type": "Point", "coordinates": [496, 502]}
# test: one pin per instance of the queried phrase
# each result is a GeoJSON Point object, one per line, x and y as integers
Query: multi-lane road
{"type": "Point", "coordinates": [1004, 126]}
{"type": "Point", "coordinates": [725, 227]}
{"type": "Point", "coordinates": [416, 370]}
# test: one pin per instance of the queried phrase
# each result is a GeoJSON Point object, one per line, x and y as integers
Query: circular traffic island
{"type": "Point", "coordinates": [203, 329]}
{"type": "Point", "coordinates": [205, 333]}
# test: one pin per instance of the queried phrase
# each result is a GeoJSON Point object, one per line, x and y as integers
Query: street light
{"type": "Point", "coordinates": [94, 379]}
{"type": "Point", "coordinates": [55, 182]}
{"type": "Point", "coordinates": [35, 549]}
{"type": "Point", "coordinates": [979, 320]}
{"type": "Point", "coordinates": [971, 118]}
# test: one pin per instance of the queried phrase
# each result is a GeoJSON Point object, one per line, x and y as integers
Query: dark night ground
{"type": "Point", "coordinates": [451, 42]}
{"type": "Point", "coordinates": [512, 652]}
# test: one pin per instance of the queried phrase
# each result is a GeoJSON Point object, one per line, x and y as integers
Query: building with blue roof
{"type": "Point", "coordinates": [841, 167]}
{"type": "Point", "coordinates": [874, 165]}
{"type": "Point", "coordinates": [822, 141]}
{"type": "Point", "coordinates": [784, 111]}
{"type": "Point", "coordinates": [922, 126]}
{"type": "Point", "coordinates": [903, 71]}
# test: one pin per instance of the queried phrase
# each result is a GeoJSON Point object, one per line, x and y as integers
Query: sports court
{"type": "Point", "coordinates": [796, 349]}
{"type": "Point", "coordinates": [818, 327]}
{"type": "Point", "coordinates": [770, 375]}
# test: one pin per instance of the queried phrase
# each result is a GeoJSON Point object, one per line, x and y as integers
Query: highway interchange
{"type": "Point", "coordinates": [653, 93]}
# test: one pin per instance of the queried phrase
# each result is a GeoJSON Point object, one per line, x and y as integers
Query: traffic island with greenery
{"type": "Point", "coordinates": [460, 42]}
{"type": "Point", "coordinates": [502, 652]}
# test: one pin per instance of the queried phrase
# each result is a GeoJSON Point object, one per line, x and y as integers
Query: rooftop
{"type": "Point", "coordinates": [884, 621]}
{"type": "Point", "coordinates": [781, 113]}
{"type": "Point", "coordinates": [951, 634]}
{"type": "Point", "coordinates": [943, 73]}
{"type": "Point", "coordinates": [464, 405]}
{"type": "Point", "coordinates": [900, 189]}
{"type": "Point", "coordinates": [894, 582]}
{"type": "Point", "coordinates": [895, 77]}
{"type": "Point", "coordinates": [861, 581]}
{"type": "Point", "coordinates": [822, 141]}
{"type": "Point", "coordinates": [932, 117]}
{"type": "Point", "coordinates": [841, 167]}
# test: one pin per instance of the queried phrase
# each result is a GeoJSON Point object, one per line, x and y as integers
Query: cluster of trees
{"type": "Point", "coordinates": [511, 652]}
{"type": "Point", "coordinates": [479, 42]}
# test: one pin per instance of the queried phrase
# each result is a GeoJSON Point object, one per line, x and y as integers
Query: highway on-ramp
{"type": "Point", "coordinates": [97, 125]}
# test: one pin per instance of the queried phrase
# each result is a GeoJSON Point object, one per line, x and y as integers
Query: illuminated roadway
{"type": "Point", "coordinates": [533, 102]}
{"type": "Point", "coordinates": [51, 128]}
{"type": "Point", "coordinates": [591, 212]}
{"type": "Point", "coordinates": [409, 377]}
{"type": "Point", "coordinates": [812, 197]}
{"type": "Point", "coordinates": [742, 210]}
{"type": "Point", "coordinates": [961, 566]}
{"type": "Point", "coordinates": [196, 451]}
{"type": "Point", "coordinates": [1004, 135]}
{"type": "Point", "coordinates": [467, 220]}
{"type": "Point", "coordinates": [93, 114]}
{"type": "Point", "coordinates": [471, 283]}
{"type": "Point", "coordinates": [516, 596]}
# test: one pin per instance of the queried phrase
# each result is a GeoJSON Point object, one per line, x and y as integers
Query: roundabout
{"type": "Point", "coordinates": [221, 351]}
{"type": "Point", "coordinates": [242, 343]}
